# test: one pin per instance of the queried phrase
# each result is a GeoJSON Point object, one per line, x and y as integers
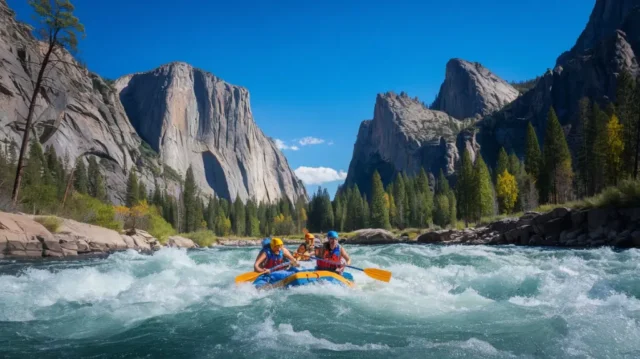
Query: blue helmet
{"type": "Point", "coordinates": [266, 241]}
{"type": "Point", "coordinates": [332, 234]}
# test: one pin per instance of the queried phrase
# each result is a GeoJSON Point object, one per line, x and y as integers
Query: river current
{"type": "Point", "coordinates": [442, 302]}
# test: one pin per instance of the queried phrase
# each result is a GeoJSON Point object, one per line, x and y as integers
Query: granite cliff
{"type": "Point", "coordinates": [198, 120]}
{"type": "Point", "coordinates": [192, 118]}
{"type": "Point", "coordinates": [471, 90]}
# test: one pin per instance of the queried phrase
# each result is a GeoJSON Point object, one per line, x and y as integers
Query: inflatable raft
{"type": "Point", "coordinates": [296, 277]}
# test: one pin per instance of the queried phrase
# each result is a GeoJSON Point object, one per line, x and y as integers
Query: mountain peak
{"type": "Point", "coordinates": [471, 90]}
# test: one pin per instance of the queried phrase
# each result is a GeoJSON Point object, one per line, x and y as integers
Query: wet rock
{"type": "Point", "coordinates": [180, 242]}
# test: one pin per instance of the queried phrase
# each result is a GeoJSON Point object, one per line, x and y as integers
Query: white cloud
{"type": "Point", "coordinates": [319, 175]}
{"type": "Point", "coordinates": [310, 141]}
{"type": "Point", "coordinates": [282, 146]}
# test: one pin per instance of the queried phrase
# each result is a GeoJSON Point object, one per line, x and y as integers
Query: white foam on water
{"type": "Point", "coordinates": [572, 290]}
{"type": "Point", "coordinates": [269, 336]}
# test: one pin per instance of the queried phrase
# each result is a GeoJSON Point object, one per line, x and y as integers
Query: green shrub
{"type": "Point", "coordinates": [51, 223]}
{"type": "Point", "coordinates": [201, 238]}
{"type": "Point", "coordinates": [158, 227]}
{"type": "Point", "coordinates": [171, 174]}
{"type": "Point", "coordinates": [84, 208]}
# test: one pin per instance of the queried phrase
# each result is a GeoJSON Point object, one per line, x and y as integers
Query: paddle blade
{"type": "Point", "coordinates": [247, 277]}
{"type": "Point", "coordinates": [378, 274]}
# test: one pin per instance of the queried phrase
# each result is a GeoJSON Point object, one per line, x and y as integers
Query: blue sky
{"type": "Point", "coordinates": [313, 68]}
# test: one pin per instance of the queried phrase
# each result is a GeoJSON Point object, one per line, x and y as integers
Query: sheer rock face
{"type": "Point", "coordinates": [471, 90]}
{"type": "Point", "coordinates": [187, 115]}
{"type": "Point", "coordinates": [607, 17]}
{"type": "Point", "coordinates": [76, 112]}
{"type": "Point", "coordinates": [592, 73]}
{"type": "Point", "coordinates": [192, 118]}
{"type": "Point", "coordinates": [404, 136]}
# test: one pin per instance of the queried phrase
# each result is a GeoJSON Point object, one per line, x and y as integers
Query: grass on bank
{"type": "Point", "coordinates": [51, 223]}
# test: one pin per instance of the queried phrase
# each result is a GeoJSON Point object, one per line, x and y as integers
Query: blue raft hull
{"type": "Point", "coordinates": [296, 277]}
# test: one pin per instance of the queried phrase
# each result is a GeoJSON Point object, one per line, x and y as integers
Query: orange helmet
{"type": "Point", "coordinates": [308, 236]}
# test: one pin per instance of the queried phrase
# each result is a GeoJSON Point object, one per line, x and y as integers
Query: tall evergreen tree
{"type": "Point", "coordinates": [615, 149]}
{"type": "Point", "coordinates": [211, 213]}
{"type": "Point", "coordinates": [514, 164]}
{"type": "Point", "coordinates": [483, 195]}
{"type": "Point", "coordinates": [399, 196]}
{"type": "Point", "coordinates": [132, 189]}
{"type": "Point", "coordinates": [557, 161]}
{"type": "Point", "coordinates": [453, 216]}
{"type": "Point", "coordinates": [583, 149]}
{"type": "Point", "coordinates": [465, 188]}
{"type": "Point", "coordinates": [355, 210]}
{"type": "Point", "coordinates": [441, 212]}
{"type": "Point", "coordinates": [379, 210]}
{"type": "Point", "coordinates": [238, 221]}
{"type": "Point", "coordinates": [190, 203]}
{"type": "Point", "coordinates": [339, 213]}
{"type": "Point", "coordinates": [442, 185]}
{"type": "Point", "coordinates": [502, 164]}
{"type": "Point", "coordinates": [34, 173]}
{"type": "Point", "coordinates": [627, 111]}
{"type": "Point", "coordinates": [366, 210]}
{"type": "Point", "coordinates": [142, 192]}
{"type": "Point", "coordinates": [157, 195]}
{"type": "Point", "coordinates": [533, 156]}
{"type": "Point", "coordinates": [96, 180]}
{"type": "Point", "coordinates": [327, 211]}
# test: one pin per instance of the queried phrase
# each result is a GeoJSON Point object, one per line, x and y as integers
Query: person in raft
{"type": "Point", "coordinates": [272, 256]}
{"type": "Point", "coordinates": [333, 252]}
{"type": "Point", "coordinates": [306, 250]}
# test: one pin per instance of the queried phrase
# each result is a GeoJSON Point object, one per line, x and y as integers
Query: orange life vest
{"type": "Point", "coordinates": [330, 255]}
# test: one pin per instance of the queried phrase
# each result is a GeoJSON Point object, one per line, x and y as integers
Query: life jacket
{"type": "Point", "coordinates": [330, 255]}
{"type": "Point", "coordinates": [273, 259]}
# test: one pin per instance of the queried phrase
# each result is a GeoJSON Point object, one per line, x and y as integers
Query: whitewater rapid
{"type": "Point", "coordinates": [442, 302]}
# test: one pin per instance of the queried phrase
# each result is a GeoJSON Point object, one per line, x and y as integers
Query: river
{"type": "Point", "coordinates": [442, 302]}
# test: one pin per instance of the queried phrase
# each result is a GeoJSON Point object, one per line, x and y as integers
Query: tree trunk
{"type": "Point", "coordinates": [27, 128]}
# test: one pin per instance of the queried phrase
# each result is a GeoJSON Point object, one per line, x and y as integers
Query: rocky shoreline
{"type": "Point", "coordinates": [23, 237]}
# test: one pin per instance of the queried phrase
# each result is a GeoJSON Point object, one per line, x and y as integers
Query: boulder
{"type": "Point", "coordinates": [21, 236]}
{"type": "Point", "coordinates": [597, 218]}
{"type": "Point", "coordinates": [504, 225]}
{"type": "Point", "coordinates": [90, 238]}
{"type": "Point", "coordinates": [180, 242]}
{"type": "Point", "coordinates": [373, 236]}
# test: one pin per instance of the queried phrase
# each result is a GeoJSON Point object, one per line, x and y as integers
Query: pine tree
{"type": "Point", "coordinates": [379, 211]}
{"type": "Point", "coordinates": [355, 210]}
{"type": "Point", "coordinates": [238, 221]}
{"type": "Point", "coordinates": [557, 161]}
{"type": "Point", "coordinates": [533, 156]}
{"type": "Point", "coordinates": [441, 213]}
{"type": "Point", "coordinates": [507, 192]}
{"type": "Point", "coordinates": [366, 216]}
{"type": "Point", "coordinates": [34, 173]}
{"type": "Point", "coordinates": [189, 202]}
{"type": "Point", "coordinates": [327, 211]}
{"type": "Point", "coordinates": [424, 199]}
{"type": "Point", "coordinates": [339, 213]}
{"type": "Point", "coordinates": [157, 196]}
{"type": "Point", "coordinates": [583, 155]}
{"type": "Point", "coordinates": [453, 217]}
{"type": "Point", "coordinates": [626, 109]}
{"type": "Point", "coordinates": [142, 192]}
{"type": "Point", "coordinates": [412, 213]}
{"type": "Point", "coordinates": [615, 149]}
{"type": "Point", "coordinates": [96, 181]}
{"type": "Point", "coordinates": [483, 199]}
{"type": "Point", "coordinates": [132, 189]}
{"type": "Point", "coordinates": [502, 164]}
{"type": "Point", "coordinates": [465, 188]}
{"type": "Point", "coordinates": [514, 164]}
{"type": "Point", "coordinates": [399, 196]}
{"type": "Point", "coordinates": [211, 213]}
{"type": "Point", "coordinates": [80, 180]}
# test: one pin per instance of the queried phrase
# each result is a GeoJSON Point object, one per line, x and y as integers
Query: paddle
{"type": "Point", "coordinates": [251, 276]}
{"type": "Point", "coordinates": [375, 273]}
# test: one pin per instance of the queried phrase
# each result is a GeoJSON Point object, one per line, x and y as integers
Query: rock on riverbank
{"type": "Point", "coordinates": [561, 227]}
{"type": "Point", "coordinates": [22, 237]}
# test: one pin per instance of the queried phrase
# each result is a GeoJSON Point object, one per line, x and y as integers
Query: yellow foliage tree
{"type": "Point", "coordinates": [132, 217]}
{"type": "Point", "coordinates": [615, 147]}
{"type": "Point", "coordinates": [507, 191]}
